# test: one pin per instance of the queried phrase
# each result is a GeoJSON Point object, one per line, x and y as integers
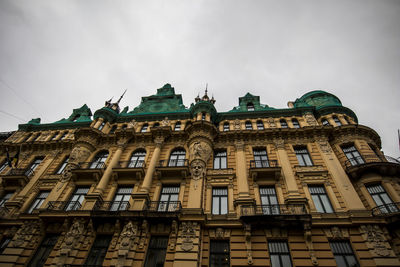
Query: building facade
{"type": "Point", "coordinates": [166, 185]}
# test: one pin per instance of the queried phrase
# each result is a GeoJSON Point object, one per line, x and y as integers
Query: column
{"type": "Point", "coordinates": [342, 181]}
{"type": "Point", "coordinates": [332, 196]}
{"type": "Point", "coordinates": [367, 195]}
{"type": "Point", "coordinates": [290, 179]}
{"type": "Point", "coordinates": [148, 178]}
{"type": "Point", "coordinates": [97, 124]}
{"type": "Point", "coordinates": [391, 191]}
{"type": "Point", "coordinates": [241, 171]}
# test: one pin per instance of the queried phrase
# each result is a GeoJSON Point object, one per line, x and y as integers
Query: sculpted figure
{"type": "Point", "coordinates": [197, 169]}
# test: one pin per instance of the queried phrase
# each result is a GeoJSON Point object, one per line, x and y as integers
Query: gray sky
{"type": "Point", "coordinates": [58, 55]}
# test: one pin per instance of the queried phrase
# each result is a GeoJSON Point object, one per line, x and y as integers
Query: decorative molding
{"type": "Point", "coordinates": [173, 235]}
{"type": "Point", "coordinates": [310, 246]}
{"type": "Point", "coordinates": [336, 233]}
{"type": "Point", "coordinates": [279, 143]}
{"type": "Point", "coordinates": [247, 234]}
{"type": "Point", "coordinates": [188, 233]}
{"type": "Point", "coordinates": [375, 240]}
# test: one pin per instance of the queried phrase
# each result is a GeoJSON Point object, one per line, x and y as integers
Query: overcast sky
{"type": "Point", "coordinates": [58, 55]}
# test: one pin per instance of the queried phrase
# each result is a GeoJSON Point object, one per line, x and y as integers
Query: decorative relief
{"type": "Point", "coordinates": [279, 144]}
{"type": "Point", "coordinates": [336, 233]}
{"type": "Point", "coordinates": [198, 169]}
{"type": "Point", "coordinates": [236, 124]}
{"type": "Point", "coordinates": [239, 145]}
{"type": "Point", "coordinates": [188, 233]}
{"type": "Point", "coordinates": [144, 234]}
{"type": "Point", "coordinates": [247, 234]}
{"type": "Point", "coordinates": [74, 234]}
{"type": "Point", "coordinates": [199, 150]}
{"type": "Point", "coordinates": [324, 146]}
{"type": "Point", "coordinates": [310, 119]}
{"type": "Point", "coordinates": [126, 241]}
{"type": "Point", "coordinates": [173, 235]}
{"type": "Point", "coordinates": [310, 246]}
{"type": "Point", "coordinates": [132, 124]}
{"type": "Point", "coordinates": [220, 172]}
{"type": "Point", "coordinates": [165, 122]}
{"type": "Point", "coordinates": [375, 238]}
{"type": "Point", "coordinates": [78, 154]}
{"type": "Point", "coordinates": [271, 123]}
{"type": "Point", "coordinates": [219, 233]}
{"type": "Point", "coordinates": [29, 232]}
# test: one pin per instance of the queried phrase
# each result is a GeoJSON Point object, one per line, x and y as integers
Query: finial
{"type": "Point", "coordinates": [121, 96]}
{"type": "Point", "coordinates": [206, 88]}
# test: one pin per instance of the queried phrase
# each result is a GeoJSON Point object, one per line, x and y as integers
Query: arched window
{"type": "Point", "coordinates": [248, 125]}
{"type": "Point", "coordinates": [99, 160]}
{"type": "Point", "coordinates": [325, 122]}
{"type": "Point", "coordinates": [250, 107]}
{"type": "Point", "coordinates": [295, 123]}
{"type": "Point", "coordinates": [156, 125]}
{"type": "Point", "coordinates": [101, 126]}
{"type": "Point", "coordinates": [55, 136]}
{"type": "Point", "coordinates": [203, 116]}
{"type": "Point", "coordinates": [283, 123]}
{"type": "Point", "coordinates": [177, 158]}
{"type": "Point", "coordinates": [113, 129]}
{"type": "Point", "coordinates": [226, 126]}
{"type": "Point", "coordinates": [177, 126]}
{"type": "Point", "coordinates": [64, 135]}
{"type": "Point", "coordinates": [144, 128]}
{"type": "Point", "coordinates": [124, 127]}
{"type": "Point", "coordinates": [260, 125]}
{"type": "Point", "coordinates": [137, 159]}
{"type": "Point", "coordinates": [337, 121]}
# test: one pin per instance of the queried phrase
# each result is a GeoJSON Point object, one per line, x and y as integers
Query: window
{"type": "Point", "coordinates": [101, 126]}
{"type": "Point", "coordinates": [325, 122]}
{"type": "Point", "coordinates": [121, 199]}
{"type": "Point", "coordinates": [155, 125]}
{"type": "Point", "coordinates": [144, 128]}
{"type": "Point", "coordinates": [220, 201]}
{"type": "Point", "coordinates": [353, 155]}
{"type": "Point", "coordinates": [64, 135]}
{"type": "Point", "coordinates": [3, 166]}
{"type": "Point", "coordinates": [113, 129]}
{"type": "Point", "coordinates": [279, 254]}
{"type": "Point", "coordinates": [169, 198]}
{"type": "Point", "coordinates": [35, 138]}
{"type": "Point", "coordinates": [157, 251]}
{"type": "Point", "coordinates": [320, 199]}
{"type": "Point", "coordinates": [269, 201]}
{"type": "Point", "coordinates": [302, 155]}
{"type": "Point", "coordinates": [3, 244]}
{"type": "Point", "coordinates": [39, 200]}
{"type": "Point", "coordinates": [98, 251]}
{"type": "Point", "coordinates": [260, 125]}
{"type": "Point", "coordinates": [124, 127]}
{"type": "Point", "coordinates": [43, 252]}
{"type": "Point", "coordinates": [381, 198]}
{"type": "Point", "coordinates": [63, 165]}
{"type": "Point", "coordinates": [337, 121]}
{"type": "Point", "coordinates": [5, 198]}
{"type": "Point", "coordinates": [203, 116]}
{"type": "Point", "coordinates": [27, 137]}
{"type": "Point", "coordinates": [250, 107]}
{"type": "Point", "coordinates": [219, 253]}
{"type": "Point", "coordinates": [99, 160]}
{"type": "Point", "coordinates": [55, 136]}
{"type": "Point", "coordinates": [76, 200]}
{"type": "Point", "coordinates": [295, 123]}
{"type": "Point", "coordinates": [248, 125]}
{"type": "Point", "coordinates": [33, 166]}
{"type": "Point", "coordinates": [283, 123]}
{"type": "Point", "coordinates": [220, 159]}
{"type": "Point", "coordinates": [260, 158]}
{"type": "Point", "coordinates": [347, 120]}
{"type": "Point", "coordinates": [177, 158]}
{"type": "Point", "coordinates": [137, 159]}
{"type": "Point", "coordinates": [177, 126]}
{"type": "Point", "coordinates": [226, 127]}
{"type": "Point", "coordinates": [343, 254]}
{"type": "Point", "coordinates": [76, 117]}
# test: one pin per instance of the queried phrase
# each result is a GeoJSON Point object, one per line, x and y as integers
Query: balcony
{"type": "Point", "coordinates": [278, 215]}
{"type": "Point", "coordinates": [63, 206]}
{"type": "Point", "coordinates": [163, 208]}
{"type": "Point", "coordinates": [387, 210]}
{"type": "Point", "coordinates": [173, 168]}
{"type": "Point", "coordinates": [17, 177]}
{"type": "Point", "coordinates": [130, 169]}
{"type": "Point", "coordinates": [264, 169]}
{"type": "Point", "coordinates": [357, 166]}
{"type": "Point", "coordinates": [89, 170]}
{"type": "Point", "coordinates": [111, 206]}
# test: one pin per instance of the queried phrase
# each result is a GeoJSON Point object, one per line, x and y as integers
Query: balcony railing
{"type": "Point", "coordinates": [132, 164]}
{"type": "Point", "coordinates": [271, 210]}
{"type": "Point", "coordinates": [173, 163]}
{"type": "Point", "coordinates": [112, 206]}
{"type": "Point", "coordinates": [20, 172]}
{"type": "Point", "coordinates": [91, 165]}
{"type": "Point", "coordinates": [263, 163]}
{"type": "Point", "coordinates": [387, 209]}
{"type": "Point", "coordinates": [164, 206]}
{"type": "Point", "coordinates": [64, 205]}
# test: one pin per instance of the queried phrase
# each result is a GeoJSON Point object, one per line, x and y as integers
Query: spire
{"type": "Point", "coordinates": [121, 96]}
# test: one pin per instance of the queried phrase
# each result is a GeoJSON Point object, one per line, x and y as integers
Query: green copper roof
{"type": "Point", "coordinates": [247, 100]}
{"type": "Point", "coordinates": [317, 99]}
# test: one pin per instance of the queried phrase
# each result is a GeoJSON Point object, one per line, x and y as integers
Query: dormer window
{"type": "Point", "coordinates": [295, 123]}
{"type": "Point", "coordinates": [144, 128]}
{"type": "Point", "coordinates": [101, 126]}
{"type": "Point", "coordinates": [76, 117]}
{"type": "Point", "coordinates": [55, 136]}
{"type": "Point", "coordinates": [337, 121]}
{"type": "Point", "coordinates": [203, 116]}
{"type": "Point", "coordinates": [124, 126]}
{"type": "Point", "coordinates": [325, 122]}
{"type": "Point", "coordinates": [248, 125]}
{"type": "Point", "coordinates": [250, 107]}
{"type": "Point", "coordinates": [156, 125]}
{"type": "Point", "coordinates": [177, 126]}
{"type": "Point", "coordinates": [260, 125]}
{"type": "Point", "coordinates": [283, 123]}
{"type": "Point", "coordinates": [226, 126]}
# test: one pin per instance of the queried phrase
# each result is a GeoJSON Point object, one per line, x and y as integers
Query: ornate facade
{"type": "Point", "coordinates": [167, 185]}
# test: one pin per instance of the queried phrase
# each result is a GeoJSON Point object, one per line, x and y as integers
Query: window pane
{"type": "Point", "coordinates": [340, 261]}
{"type": "Point", "coordinates": [286, 261]}
{"type": "Point", "coordinates": [326, 203]}
{"type": "Point", "coordinates": [275, 261]}
{"type": "Point", "coordinates": [215, 205]}
{"type": "Point", "coordinates": [318, 204]}
{"type": "Point", "coordinates": [224, 205]}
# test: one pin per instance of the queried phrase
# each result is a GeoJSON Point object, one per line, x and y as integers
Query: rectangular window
{"type": "Point", "coordinates": [62, 166]}
{"type": "Point", "coordinates": [226, 127]}
{"type": "Point", "coordinates": [220, 201]}
{"type": "Point", "coordinates": [248, 125]}
{"type": "Point", "coordinates": [43, 252]}
{"type": "Point", "coordinates": [76, 200]}
{"type": "Point", "coordinates": [39, 201]}
{"type": "Point", "coordinates": [269, 201]}
{"type": "Point", "coordinates": [5, 198]}
{"type": "Point", "coordinates": [33, 166]}
{"type": "Point", "coordinates": [343, 254]}
{"type": "Point", "coordinates": [279, 254]}
{"type": "Point", "coordinates": [382, 199]}
{"type": "Point", "coordinates": [157, 251]}
{"type": "Point", "coordinates": [337, 121]}
{"type": "Point", "coordinates": [219, 253]}
{"type": "Point", "coordinates": [3, 166]}
{"type": "Point", "coordinates": [303, 156]}
{"type": "Point", "coordinates": [169, 198]}
{"type": "Point", "coordinates": [320, 199]}
{"type": "Point", "coordinates": [260, 158]}
{"type": "Point", "coordinates": [295, 123]}
{"type": "Point", "coordinates": [353, 155]}
{"type": "Point", "coordinates": [121, 199]}
{"type": "Point", "coordinates": [98, 251]}
{"type": "Point", "coordinates": [220, 159]}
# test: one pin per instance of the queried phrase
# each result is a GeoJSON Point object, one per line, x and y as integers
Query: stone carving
{"type": "Point", "coordinates": [198, 169]}
{"type": "Point", "coordinates": [74, 233]}
{"type": "Point", "coordinates": [375, 239]}
{"type": "Point", "coordinates": [325, 147]}
{"type": "Point", "coordinates": [271, 123]}
{"type": "Point", "coordinates": [247, 234]}
{"type": "Point", "coordinates": [90, 234]}
{"type": "Point", "coordinates": [78, 154]}
{"type": "Point", "coordinates": [309, 243]}
{"type": "Point", "coordinates": [126, 240]}
{"type": "Point", "coordinates": [145, 231]}
{"type": "Point", "coordinates": [199, 150]}
{"type": "Point", "coordinates": [132, 124]}
{"type": "Point", "coordinates": [173, 235]}
{"type": "Point", "coordinates": [239, 145]}
{"type": "Point", "coordinates": [188, 234]}
{"type": "Point", "coordinates": [336, 233]}
{"type": "Point", "coordinates": [309, 117]}
{"type": "Point", "coordinates": [165, 122]}
{"type": "Point", "coordinates": [236, 124]}
{"type": "Point", "coordinates": [27, 233]}
{"type": "Point", "coordinates": [280, 144]}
